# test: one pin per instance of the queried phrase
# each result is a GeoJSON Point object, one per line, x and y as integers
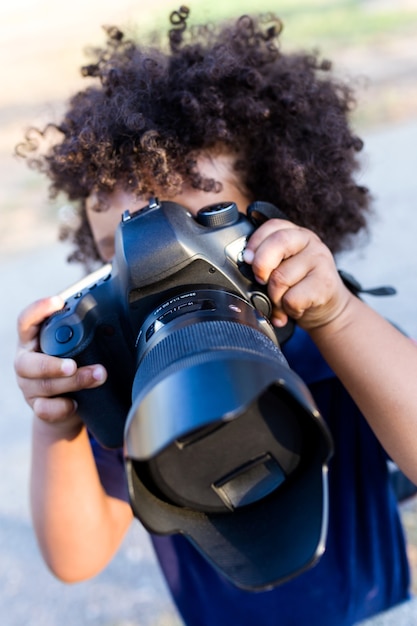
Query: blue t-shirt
{"type": "Point", "coordinates": [364, 569]}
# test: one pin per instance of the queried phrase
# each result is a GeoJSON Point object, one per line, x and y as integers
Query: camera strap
{"type": "Point", "coordinates": [356, 288]}
{"type": "Point", "coordinates": [259, 212]}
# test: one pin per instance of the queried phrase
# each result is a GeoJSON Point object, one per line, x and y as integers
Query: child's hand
{"type": "Point", "coordinates": [45, 379]}
{"type": "Point", "coordinates": [300, 272]}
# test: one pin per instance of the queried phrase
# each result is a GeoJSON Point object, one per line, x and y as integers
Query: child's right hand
{"type": "Point", "coordinates": [43, 379]}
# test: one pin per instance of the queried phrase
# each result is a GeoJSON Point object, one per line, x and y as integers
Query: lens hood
{"type": "Point", "coordinates": [226, 446]}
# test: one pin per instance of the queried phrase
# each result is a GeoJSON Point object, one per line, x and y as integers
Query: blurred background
{"type": "Point", "coordinates": [372, 43]}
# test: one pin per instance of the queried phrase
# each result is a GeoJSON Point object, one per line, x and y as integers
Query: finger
{"type": "Point", "coordinates": [314, 260]}
{"type": "Point", "coordinates": [54, 409]}
{"type": "Point", "coordinates": [266, 229]}
{"type": "Point", "coordinates": [282, 282]}
{"type": "Point", "coordinates": [86, 377]}
{"type": "Point", "coordinates": [276, 248]}
{"type": "Point", "coordinates": [311, 304]}
{"type": "Point", "coordinates": [279, 318]}
{"type": "Point", "coordinates": [38, 365]}
{"type": "Point", "coordinates": [30, 319]}
{"type": "Point", "coordinates": [288, 273]}
{"type": "Point", "coordinates": [300, 298]}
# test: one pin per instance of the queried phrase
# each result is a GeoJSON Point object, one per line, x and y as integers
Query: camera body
{"type": "Point", "coordinates": [167, 264]}
{"type": "Point", "coordinates": [222, 440]}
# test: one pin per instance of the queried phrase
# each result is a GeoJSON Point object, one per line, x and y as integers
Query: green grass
{"type": "Point", "coordinates": [348, 24]}
{"type": "Point", "coordinates": [309, 23]}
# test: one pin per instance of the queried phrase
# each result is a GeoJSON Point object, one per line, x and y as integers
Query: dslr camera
{"type": "Point", "coordinates": [222, 440]}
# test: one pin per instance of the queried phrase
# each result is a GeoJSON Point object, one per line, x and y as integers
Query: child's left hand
{"type": "Point", "coordinates": [302, 278]}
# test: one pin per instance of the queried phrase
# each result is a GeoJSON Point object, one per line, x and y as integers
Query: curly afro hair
{"type": "Point", "coordinates": [151, 110]}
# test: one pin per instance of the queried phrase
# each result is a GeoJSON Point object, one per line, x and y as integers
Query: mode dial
{"type": "Point", "coordinates": [217, 215]}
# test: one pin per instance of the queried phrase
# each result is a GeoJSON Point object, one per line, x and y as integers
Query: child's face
{"type": "Point", "coordinates": [104, 221]}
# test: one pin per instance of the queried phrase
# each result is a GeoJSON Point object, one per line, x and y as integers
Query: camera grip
{"type": "Point", "coordinates": [90, 339]}
{"type": "Point", "coordinates": [104, 409]}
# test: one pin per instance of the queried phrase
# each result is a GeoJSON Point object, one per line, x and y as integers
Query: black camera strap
{"type": "Point", "coordinates": [259, 212]}
{"type": "Point", "coordinates": [356, 288]}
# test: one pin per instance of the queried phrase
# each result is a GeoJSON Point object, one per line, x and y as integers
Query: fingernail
{"type": "Point", "coordinates": [99, 373]}
{"type": "Point", "coordinates": [57, 302]}
{"type": "Point", "coordinates": [68, 367]}
{"type": "Point", "coordinates": [276, 321]}
{"type": "Point", "coordinates": [248, 255]}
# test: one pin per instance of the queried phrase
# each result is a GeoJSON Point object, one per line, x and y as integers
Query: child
{"type": "Point", "coordinates": [225, 115]}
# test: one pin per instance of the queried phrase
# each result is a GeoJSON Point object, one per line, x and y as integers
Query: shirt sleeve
{"type": "Point", "coordinates": [111, 469]}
